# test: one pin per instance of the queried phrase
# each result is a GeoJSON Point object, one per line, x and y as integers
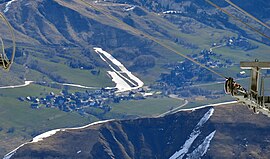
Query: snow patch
{"type": "Point", "coordinates": [8, 5]}
{"type": "Point", "coordinates": [202, 149]}
{"type": "Point", "coordinates": [192, 137]}
{"type": "Point", "coordinates": [26, 83]}
{"type": "Point", "coordinates": [172, 12]}
{"type": "Point", "coordinates": [130, 8]}
{"type": "Point", "coordinates": [184, 149]}
{"type": "Point", "coordinates": [205, 118]}
{"type": "Point", "coordinates": [148, 94]}
{"type": "Point", "coordinates": [121, 85]}
{"type": "Point", "coordinates": [117, 76]}
{"type": "Point", "coordinates": [10, 154]}
{"type": "Point", "coordinates": [83, 127]}
{"type": "Point", "coordinates": [50, 133]}
{"type": "Point", "coordinates": [45, 135]}
{"type": "Point", "coordinates": [209, 105]}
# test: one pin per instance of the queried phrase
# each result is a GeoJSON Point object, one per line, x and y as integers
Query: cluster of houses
{"type": "Point", "coordinates": [79, 101]}
{"type": "Point", "coordinates": [185, 73]}
{"type": "Point", "coordinates": [236, 43]}
{"type": "Point", "coordinates": [207, 57]}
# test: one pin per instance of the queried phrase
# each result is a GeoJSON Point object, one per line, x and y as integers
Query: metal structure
{"type": "Point", "coordinates": [255, 98]}
{"type": "Point", "coordinates": [6, 62]}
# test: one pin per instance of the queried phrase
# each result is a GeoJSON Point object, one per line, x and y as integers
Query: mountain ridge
{"type": "Point", "coordinates": [227, 129]}
{"type": "Point", "coordinates": [55, 41]}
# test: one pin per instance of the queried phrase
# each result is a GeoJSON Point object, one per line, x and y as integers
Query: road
{"type": "Point", "coordinates": [26, 83]}
{"type": "Point", "coordinates": [177, 108]}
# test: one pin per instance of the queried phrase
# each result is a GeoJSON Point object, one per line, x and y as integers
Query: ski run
{"type": "Point", "coordinates": [122, 77]}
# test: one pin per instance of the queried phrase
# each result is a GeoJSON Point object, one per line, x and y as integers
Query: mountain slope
{"type": "Point", "coordinates": [228, 131]}
{"type": "Point", "coordinates": [55, 41]}
{"type": "Point", "coordinates": [56, 25]}
{"type": "Point", "coordinates": [52, 26]}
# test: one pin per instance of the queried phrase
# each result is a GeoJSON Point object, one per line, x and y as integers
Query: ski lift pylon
{"type": "Point", "coordinates": [255, 97]}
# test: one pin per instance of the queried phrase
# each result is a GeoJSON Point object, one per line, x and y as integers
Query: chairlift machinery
{"type": "Point", "coordinates": [255, 98]}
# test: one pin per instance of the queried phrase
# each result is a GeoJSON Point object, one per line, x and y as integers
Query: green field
{"type": "Point", "coordinates": [19, 123]}
{"type": "Point", "coordinates": [194, 104]}
{"type": "Point", "coordinates": [77, 76]}
{"type": "Point", "coordinates": [147, 107]}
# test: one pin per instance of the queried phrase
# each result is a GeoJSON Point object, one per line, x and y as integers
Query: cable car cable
{"type": "Point", "coordinates": [10, 61]}
{"type": "Point", "coordinates": [249, 15]}
{"type": "Point", "coordinates": [151, 38]}
{"type": "Point", "coordinates": [238, 19]}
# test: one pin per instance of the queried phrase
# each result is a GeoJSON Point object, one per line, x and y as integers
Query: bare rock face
{"type": "Point", "coordinates": [220, 132]}
{"type": "Point", "coordinates": [57, 22]}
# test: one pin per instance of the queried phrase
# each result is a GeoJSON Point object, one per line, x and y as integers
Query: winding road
{"type": "Point", "coordinates": [177, 108]}
{"type": "Point", "coordinates": [27, 83]}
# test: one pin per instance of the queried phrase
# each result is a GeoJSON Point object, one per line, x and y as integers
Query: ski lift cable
{"type": "Point", "coordinates": [246, 13]}
{"type": "Point", "coordinates": [232, 87]}
{"type": "Point", "coordinates": [134, 30]}
{"type": "Point", "coordinates": [9, 61]}
{"type": "Point", "coordinates": [2, 54]}
{"type": "Point", "coordinates": [238, 19]}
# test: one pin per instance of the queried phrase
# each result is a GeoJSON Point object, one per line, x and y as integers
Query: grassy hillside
{"type": "Point", "coordinates": [19, 123]}
{"type": "Point", "coordinates": [55, 41]}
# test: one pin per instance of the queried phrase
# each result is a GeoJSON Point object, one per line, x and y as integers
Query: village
{"type": "Point", "coordinates": [80, 101]}
{"type": "Point", "coordinates": [185, 73]}
{"type": "Point", "coordinates": [181, 74]}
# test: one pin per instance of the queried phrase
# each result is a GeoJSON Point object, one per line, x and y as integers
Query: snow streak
{"type": "Point", "coordinates": [26, 83]}
{"type": "Point", "coordinates": [192, 137]}
{"type": "Point", "coordinates": [202, 149]}
{"type": "Point", "coordinates": [130, 8]}
{"type": "Point", "coordinates": [124, 79]}
{"type": "Point", "coordinates": [50, 133]}
{"type": "Point", "coordinates": [8, 5]}
{"type": "Point", "coordinates": [172, 12]}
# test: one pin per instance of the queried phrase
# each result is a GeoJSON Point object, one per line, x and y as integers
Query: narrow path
{"type": "Point", "coordinates": [177, 108]}
{"type": "Point", "coordinates": [195, 108]}
{"type": "Point", "coordinates": [27, 83]}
